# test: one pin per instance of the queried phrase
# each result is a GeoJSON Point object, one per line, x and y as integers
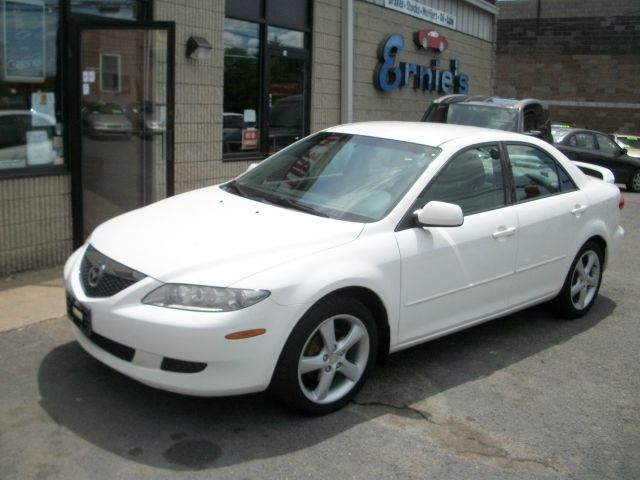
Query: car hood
{"type": "Point", "coordinates": [211, 237]}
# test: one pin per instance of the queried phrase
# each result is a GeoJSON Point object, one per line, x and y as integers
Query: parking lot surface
{"type": "Point", "coordinates": [528, 396]}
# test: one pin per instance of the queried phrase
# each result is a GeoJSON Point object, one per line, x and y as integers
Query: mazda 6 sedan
{"type": "Point", "coordinates": [352, 243]}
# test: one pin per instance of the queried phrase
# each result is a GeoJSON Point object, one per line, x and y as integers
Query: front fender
{"type": "Point", "coordinates": [370, 262]}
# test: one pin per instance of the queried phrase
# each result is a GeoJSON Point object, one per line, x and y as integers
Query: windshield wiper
{"type": "Point", "coordinates": [289, 203]}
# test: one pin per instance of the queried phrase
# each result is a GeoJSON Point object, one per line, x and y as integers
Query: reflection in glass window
{"type": "Point", "coordinates": [119, 9]}
{"type": "Point", "coordinates": [285, 38]}
{"type": "Point", "coordinates": [535, 173]}
{"type": "Point", "coordinates": [30, 108]}
{"type": "Point", "coordinates": [585, 140]}
{"type": "Point", "coordinates": [110, 76]}
{"type": "Point", "coordinates": [241, 86]}
{"type": "Point", "coordinates": [607, 145]}
{"type": "Point", "coordinates": [473, 180]}
{"type": "Point", "coordinates": [336, 175]}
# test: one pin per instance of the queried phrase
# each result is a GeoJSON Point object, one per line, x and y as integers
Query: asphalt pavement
{"type": "Point", "coordinates": [528, 396]}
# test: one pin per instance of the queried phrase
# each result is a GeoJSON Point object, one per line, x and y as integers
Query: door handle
{"type": "Point", "coordinates": [504, 232]}
{"type": "Point", "coordinates": [578, 210]}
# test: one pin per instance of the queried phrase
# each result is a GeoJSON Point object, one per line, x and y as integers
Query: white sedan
{"type": "Point", "coordinates": [352, 243]}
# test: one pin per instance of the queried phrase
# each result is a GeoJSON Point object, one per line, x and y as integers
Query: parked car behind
{"type": "Point", "coordinates": [528, 116]}
{"type": "Point", "coordinates": [630, 142]}
{"type": "Point", "coordinates": [148, 118]}
{"type": "Point", "coordinates": [106, 120]}
{"type": "Point", "coordinates": [598, 148]}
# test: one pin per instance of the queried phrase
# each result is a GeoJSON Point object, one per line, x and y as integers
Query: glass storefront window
{"type": "Point", "coordinates": [241, 117]}
{"type": "Point", "coordinates": [265, 86]}
{"type": "Point", "coordinates": [118, 9]}
{"type": "Point", "coordinates": [285, 38]}
{"type": "Point", "coordinates": [30, 109]}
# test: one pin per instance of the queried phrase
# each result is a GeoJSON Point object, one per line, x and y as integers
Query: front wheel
{"type": "Point", "coordinates": [327, 356]}
{"type": "Point", "coordinates": [634, 182]}
{"type": "Point", "coordinates": [582, 284]}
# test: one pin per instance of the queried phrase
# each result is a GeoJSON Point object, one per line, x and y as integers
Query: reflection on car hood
{"type": "Point", "coordinates": [210, 237]}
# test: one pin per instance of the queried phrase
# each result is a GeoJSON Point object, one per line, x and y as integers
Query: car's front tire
{"type": "Point", "coordinates": [633, 184]}
{"type": "Point", "coordinates": [582, 283]}
{"type": "Point", "coordinates": [327, 356]}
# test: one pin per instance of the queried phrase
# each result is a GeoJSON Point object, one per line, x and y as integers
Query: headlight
{"type": "Point", "coordinates": [204, 299]}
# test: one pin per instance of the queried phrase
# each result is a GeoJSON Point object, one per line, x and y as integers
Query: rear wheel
{"type": "Point", "coordinates": [327, 357]}
{"type": "Point", "coordinates": [634, 182]}
{"type": "Point", "coordinates": [582, 284]}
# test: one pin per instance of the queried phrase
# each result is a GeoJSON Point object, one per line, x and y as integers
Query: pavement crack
{"type": "Point", "coordinates": [425, 415]}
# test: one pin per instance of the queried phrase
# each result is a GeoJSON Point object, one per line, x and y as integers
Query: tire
{"type": "Point", "coordinates": [327, 357]}
{"type": "Point", "coordinates": [582, 284]}
{"type": "Point", "coordinates": [633, 184]}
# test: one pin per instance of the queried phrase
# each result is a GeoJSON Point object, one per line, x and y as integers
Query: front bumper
{"type": "Point", "coordinates": [158, 341]}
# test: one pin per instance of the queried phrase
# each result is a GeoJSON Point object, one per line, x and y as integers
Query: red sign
{"type": "Point", "coordinates": [431, 39]}
{"type": "Point", "coordinates": [250, 138]}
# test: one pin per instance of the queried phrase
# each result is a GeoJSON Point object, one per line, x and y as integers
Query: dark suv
{"type": "Point", "coordinates": [528, 116]}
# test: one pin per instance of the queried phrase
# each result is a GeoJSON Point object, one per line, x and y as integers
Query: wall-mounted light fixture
{"type": "Point", "coordinates": [198, 48]}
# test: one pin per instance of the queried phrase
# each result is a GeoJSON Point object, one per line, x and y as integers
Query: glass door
{"type": "Point", "coordinates": [123, 121]}
{"type": "Point", "coordinates": [286, 98]}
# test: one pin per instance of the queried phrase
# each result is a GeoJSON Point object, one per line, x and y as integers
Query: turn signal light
{"type": "Point", "coordinates": [621, 202]}
{"type": "Point", "coordinates": [245, 334]}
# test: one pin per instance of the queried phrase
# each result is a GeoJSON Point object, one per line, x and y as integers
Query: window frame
{"type": "Point", "coordinates": [558, 168]}
{"type": "Point", "coordinates": [408, 219]}
{"type": "Point", "coordinates": [265, 52]}
{"type": "Point", "coordinates": [118, 74]}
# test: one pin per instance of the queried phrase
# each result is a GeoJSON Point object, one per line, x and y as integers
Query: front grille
{"type": "Point", "coordinates": [103, 277]}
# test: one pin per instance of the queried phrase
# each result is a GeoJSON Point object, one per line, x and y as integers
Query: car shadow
{"type": "Point", "coordinates": [177, 432]}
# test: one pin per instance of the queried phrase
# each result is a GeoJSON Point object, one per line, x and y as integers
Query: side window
{"type": "Point", "coordinates": [473, 180]}
{"type": "Point", "coordinates": [585, 140]}
{"type": "Point", "coordinates": [536, 174]}
{"type": "Point", "coordinates": [572, 141]}
{"type": "Point", "coordinates": [607, 145]}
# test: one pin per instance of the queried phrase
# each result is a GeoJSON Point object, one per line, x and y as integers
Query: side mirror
{"type": "Point", "coordinates": [624, 151]}
{"type": "Point", "coordinates": [439, 214]}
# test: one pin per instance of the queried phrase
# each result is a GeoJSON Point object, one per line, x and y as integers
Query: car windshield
{"type": "Point", "coordinates": [499, 118]}
{"type": "Point", "coordinates": [336, 175]}
{"type": "Point", "coordinates": [558, 133]}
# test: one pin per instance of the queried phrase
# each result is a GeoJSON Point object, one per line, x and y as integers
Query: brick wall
{"type": "Point", "coordinates": [326, 60]}
{"type": "Point", "coordinates": [198, 95]}
{"type": "Point", "coordinates": [35, 222]}
{"type": "Point", "coordinates": [584, 64]}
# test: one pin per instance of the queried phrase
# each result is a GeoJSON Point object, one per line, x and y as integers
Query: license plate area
{"type": "Point", "coordinates": [79, 315]}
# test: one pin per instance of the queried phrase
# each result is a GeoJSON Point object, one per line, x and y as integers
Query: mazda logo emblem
{"type": "Point", "coordinates": [95, 275]}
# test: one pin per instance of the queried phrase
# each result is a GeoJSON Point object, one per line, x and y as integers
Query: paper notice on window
{"type": "Point", "coordinates": [39, 148]}
{"type": "Point", "coordinates": [43, 107]}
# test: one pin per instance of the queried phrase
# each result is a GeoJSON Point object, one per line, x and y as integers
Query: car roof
{"type": "Point", "coordinates": [584, 130]}
{"type": "Point", "coordinates": [425, 133]}
{"type": "Point", "coordinates": [489, 101]}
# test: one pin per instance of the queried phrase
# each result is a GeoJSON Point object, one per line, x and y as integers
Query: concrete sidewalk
{"type": "Point", "coordinates": [31, 297]}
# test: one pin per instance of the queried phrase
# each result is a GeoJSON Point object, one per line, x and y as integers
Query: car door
{"type": "Point", "coordinates": [550, 210]}
{"type": "Point", "coordinates": [453, 276]}
{"type": "Point", "coordinates": [613, 158]}
{"type": "Point", "coordinates": [581, 146]}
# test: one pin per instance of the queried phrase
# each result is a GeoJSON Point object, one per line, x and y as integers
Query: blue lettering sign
{"type": "Point", "coordinates": [388, 75]}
